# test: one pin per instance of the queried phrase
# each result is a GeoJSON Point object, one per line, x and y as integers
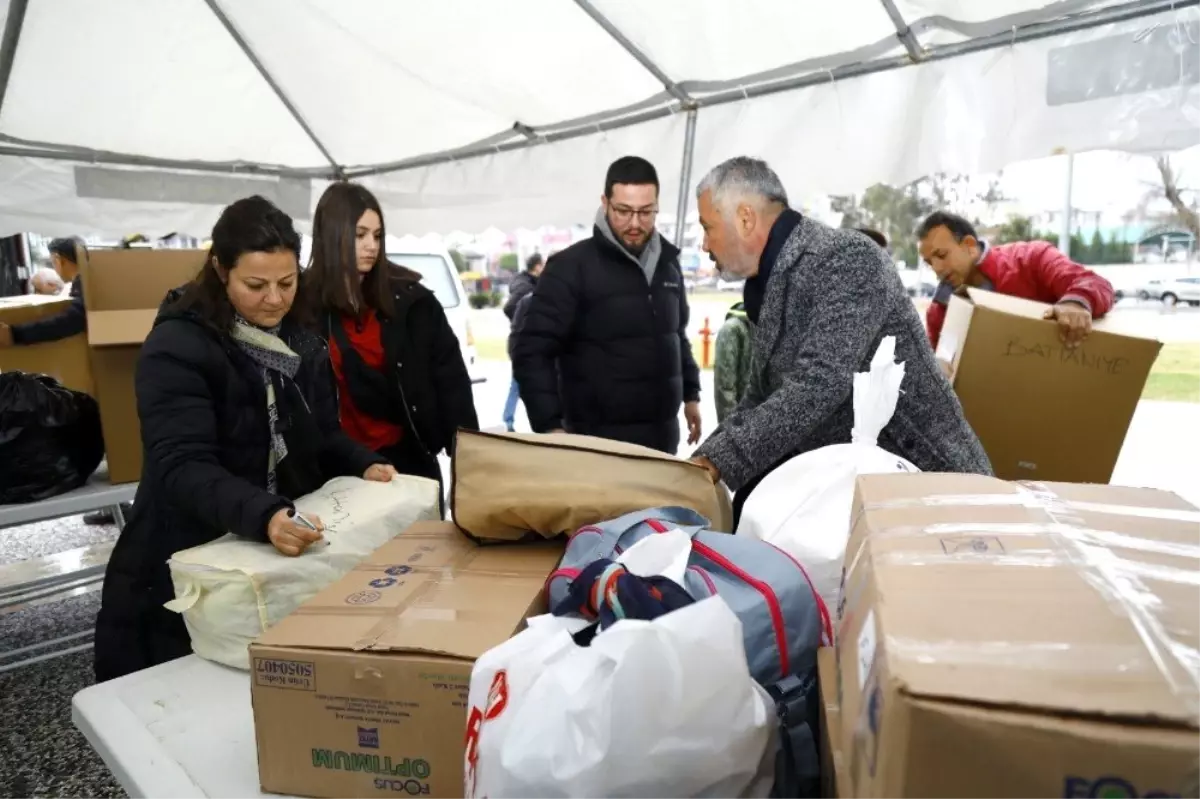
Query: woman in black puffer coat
{"type": "Point", "coordinates": [238, 416]}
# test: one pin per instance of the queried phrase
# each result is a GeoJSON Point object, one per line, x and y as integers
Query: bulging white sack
{"type": "Point", "coordinates": [804, 506]}
{"type": "Point", "coordinates": [651, 708]}
{"type": "Point", "coordinates": [231, 590]}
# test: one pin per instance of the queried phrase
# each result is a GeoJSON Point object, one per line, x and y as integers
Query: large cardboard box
{"type": "Point", "coordinates": [833, 761]}
{"type": "Point", "coordinates": [122, 291]}
{"type": "Point", "coordinates": [362, 691]}
{"type": "Point", "coordinates": [1042, 411]}
{"type": "Point", "coordinates": [1019, 641]}
{"type": "Point", "coordinates": [66, 360]}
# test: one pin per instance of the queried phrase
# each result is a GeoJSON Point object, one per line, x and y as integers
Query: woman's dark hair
{"type": "Point", "coordinates": [250, 225]}
{"type": "Point", "coordinates": [332, 277]}
{"type": "Point", "coordinates": [65, 248]}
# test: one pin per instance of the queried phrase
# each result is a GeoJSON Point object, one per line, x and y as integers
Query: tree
{"type": "Point", "coordinates": [1096, 252]}
{"type": "Point", "coordinates": [509, 262]}
{"type": "Point", "coordinates": [1017, 228]}
{"type": "Point", "coordinates": [460, 261]}
{"type": "Point", "coordinates": [1184, 212]}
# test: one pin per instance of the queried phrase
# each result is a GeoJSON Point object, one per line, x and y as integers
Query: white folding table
{"type": "Point", "coordinates": [96, 494]}
{"type": "Point", "coordinates": [181, 729]}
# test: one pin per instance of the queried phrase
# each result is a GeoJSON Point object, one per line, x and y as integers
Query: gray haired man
{"type": "Point", "coordinates": [822, 299]}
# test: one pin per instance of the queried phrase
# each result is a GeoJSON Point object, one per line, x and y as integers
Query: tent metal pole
{"type": "Point", "coordinates": [1032, 32]}
{"type": "Point", "coordinates": [8, 45]}
{"type": "Point", "coordinates": [685, 177]}
{"type": "Point", "coordinates": [101, 158]}
{"type": "Point", "coordinates": [903, 31]}
{"type": "Point", "coordinates": [232, 30]}
{"type": "Point", "coordinates": [505, 140]}
{"type": "Point", "coordinates": [631, 48]}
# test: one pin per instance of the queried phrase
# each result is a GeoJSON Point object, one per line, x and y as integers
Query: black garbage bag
{"type": "Point", "coordinates": [50, 440]}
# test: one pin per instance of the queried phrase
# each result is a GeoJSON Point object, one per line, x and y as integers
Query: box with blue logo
{"type": "Point", "coordinates": [1019, 640]}
{"type": "Point", "coordinates": [362, 691]}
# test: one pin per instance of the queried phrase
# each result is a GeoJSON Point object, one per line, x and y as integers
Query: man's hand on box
{"type": "Point", "coordinates": [1074, 322]}
{"type": "Point", "coordinates": [6, 336]}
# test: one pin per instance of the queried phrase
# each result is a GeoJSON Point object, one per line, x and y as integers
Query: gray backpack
{"type": "Point", "coordinates": [783, 619]}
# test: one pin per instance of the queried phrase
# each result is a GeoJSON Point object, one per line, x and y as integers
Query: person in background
{"type": "Point", "coordinates": [603, 350]}
{"type": "Point", "coordinates": [1033, 270]}
{"type": "Point", "coordinates": [403, 387]}
{"type": "Point", "coordinates": [46, 282]}
{"type": "Point", "coordinates": [521, 287]}
{"type": "Point", "coordinates": [731, 366]}
{"type": "Point", "coordinates": [877, 237]}
{"type": "Point", "coordinates": [238, 418]}
{"type": "Point", "coordinates": [822, 300]}
{"type": "Point", "coordinates": [71, 321]}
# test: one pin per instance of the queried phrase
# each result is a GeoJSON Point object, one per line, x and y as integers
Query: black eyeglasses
{"type": "Point", "coordinates": [624, 214]}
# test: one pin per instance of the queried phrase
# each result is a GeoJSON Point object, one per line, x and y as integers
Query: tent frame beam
{"type": "Point", "coordinates": [620, 38]}
{"type": "Point", "coordinates": [13, 25]}
{"type": "Point", "coordinates": [244, 46]}
{"type": "Point", "coordinates": [1031, 32]}
{"type": "Point", "coordinates": [903, 32]}
{"type": "Point", "coordinates": [513, 140]}
{"type": "Point", "coordinates": [685, 177]}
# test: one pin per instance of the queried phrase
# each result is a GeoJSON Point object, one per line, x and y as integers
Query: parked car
{"type": "Point", "coordinates": [1173, 292]}
{"type": "Point", "coordinates": [439, 276]}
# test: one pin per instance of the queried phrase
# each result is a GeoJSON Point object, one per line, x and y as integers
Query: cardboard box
{"type": "Point", "coordinates": [833, 762]}
{"type": "Point", "coordinates": [122, 291]}
{"type": "Point", "coordinates": [1007, 640]}
{"type": "Point", "coordinates": [363, 690]}
{"type": "Point", "coordinates": [1043, 412]}
{"type": "Point", "coordinates": [66, 360]}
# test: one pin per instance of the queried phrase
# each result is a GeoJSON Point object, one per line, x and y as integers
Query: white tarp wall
{"type": "Point", "coordinates": [150, 115]}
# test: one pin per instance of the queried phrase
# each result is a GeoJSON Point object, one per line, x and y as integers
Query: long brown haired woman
{"type": "Point", "coordinates": [403, 388]}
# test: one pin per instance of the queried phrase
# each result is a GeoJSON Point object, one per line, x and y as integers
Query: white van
{"type": "Point", "coordinates": [439, 276]}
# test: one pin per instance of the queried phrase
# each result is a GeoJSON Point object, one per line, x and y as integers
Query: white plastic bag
{"type": "Point", "coordinates": [804, 506]}
{"type": "Point", "coordinates": [231, 590]}
{"type": "Point", "coordinates": [651, 708]}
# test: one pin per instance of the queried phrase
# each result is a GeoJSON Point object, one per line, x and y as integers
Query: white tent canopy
{"type": "Point", "coordinates": [150, 115]}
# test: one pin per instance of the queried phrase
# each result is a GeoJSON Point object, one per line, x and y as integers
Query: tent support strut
{"type": "Point", "coordinates": [1135, 9]}
{"type": "Point", "coordinates": [505, 140]}
{"type": "Point", "coordinates": [8, 45]}
{"type": "Point", "coordinates": [631, 48]}
{"type": "Point", "coordinates": [685, 177]}
{"type": "Point", "coordinates": [338, 172]}
{"type": "Point", "coordinates": [903, 31]}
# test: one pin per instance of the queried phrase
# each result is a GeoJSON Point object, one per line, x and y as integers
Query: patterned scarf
{"type": "Point", "coordinates": [272, 355]}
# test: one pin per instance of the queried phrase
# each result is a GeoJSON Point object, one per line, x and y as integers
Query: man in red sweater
{"type": "Point", "coordinates": [1033, 270]}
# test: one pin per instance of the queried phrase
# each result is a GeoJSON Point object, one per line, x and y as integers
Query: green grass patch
{"type": "Point", "coordinates": [1176, 374]}
{"type": "Point", "coordinates": [1174, 378]}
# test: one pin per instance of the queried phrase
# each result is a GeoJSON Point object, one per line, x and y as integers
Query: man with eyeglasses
{"type": "Point", "coordinates": [603, 350]}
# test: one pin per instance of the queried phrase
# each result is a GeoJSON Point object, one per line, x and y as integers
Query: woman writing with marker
{"type": "Point", "coordinates": [238, 418]}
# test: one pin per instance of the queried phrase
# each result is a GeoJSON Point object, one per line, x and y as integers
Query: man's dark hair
{"type": "Point", "coordinates": [959, 228]}
{"type": "Point", "coordinates": [631, 170]}
{"type": "Point", "coordinates": [874, 235]}
{"type": "Point", "coordinates": [534, 261]}
{"type": "Point", "coordinates": [252, 224]}
{"type": "Point", "coordinates": [65, 248]}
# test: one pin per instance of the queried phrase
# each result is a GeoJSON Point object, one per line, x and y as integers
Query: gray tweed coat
{"type": "Point", "coordinates": [832, 297]}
